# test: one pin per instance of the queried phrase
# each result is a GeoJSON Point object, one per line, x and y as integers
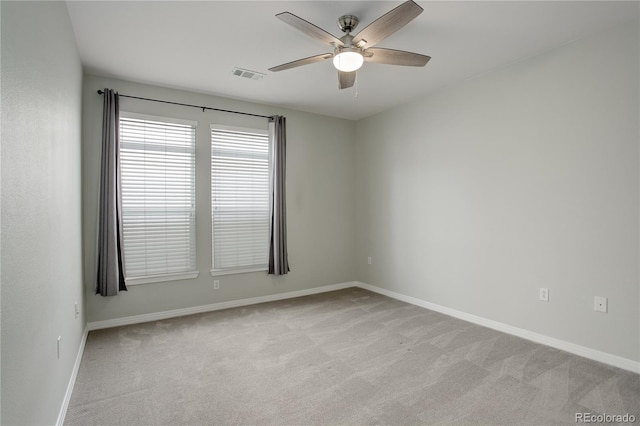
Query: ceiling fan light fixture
{"type": "Point", "coordinates": [348, 59]}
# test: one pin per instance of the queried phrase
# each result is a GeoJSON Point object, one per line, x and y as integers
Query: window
{"type": "Point", "coordinates": [239, 199]}
{"type": "Point", "coordinates": [157, 157]}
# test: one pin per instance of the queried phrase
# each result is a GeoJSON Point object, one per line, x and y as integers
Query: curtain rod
{"type": "Point", "coordinates": [203, 108]}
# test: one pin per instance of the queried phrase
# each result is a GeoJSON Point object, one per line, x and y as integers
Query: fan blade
{"type": "Point", "coordinates": [301, 62]}
{"type": "Point", "coordinates": [396, 57]}
{"type": "Point", "coordinates": [346, 79]}
{"type": "Point", "coordinates": [308, 28]}
{"type": "Point", "coordinates": [387, 24]}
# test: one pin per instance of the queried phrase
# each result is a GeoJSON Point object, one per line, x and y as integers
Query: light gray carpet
{"type": "Point", "coordinates": [345, 357]}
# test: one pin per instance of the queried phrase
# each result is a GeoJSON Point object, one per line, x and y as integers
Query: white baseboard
{"type": "Point", "coordinates": [593, 354]}
{"type": "Point", "coordinates": [72, 380]}
{"type": "Point", "coordinates": [155, 316]}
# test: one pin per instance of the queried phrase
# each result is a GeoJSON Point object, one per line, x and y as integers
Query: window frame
{"type": "Point", "coordinates": [252, 268]}
{"type": "Point", "coordinates": [171, 276]}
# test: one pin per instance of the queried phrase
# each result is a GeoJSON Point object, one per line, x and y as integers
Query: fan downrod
{"type": "Point", "coordinates": [348, 23]}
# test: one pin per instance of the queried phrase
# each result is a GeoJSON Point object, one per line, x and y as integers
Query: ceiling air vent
{"type": "Point", "coordinates": [253, 75]}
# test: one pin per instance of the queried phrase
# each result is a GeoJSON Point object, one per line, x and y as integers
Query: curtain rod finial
{"type": "Point", "coordinates": [100, 92]}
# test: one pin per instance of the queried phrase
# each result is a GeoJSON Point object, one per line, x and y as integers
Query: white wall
{"type": "Point", "coordinates": [526, 177]}
{"type": "Point", "coordinates": [41, 209]}
{"type": "Point", "coordinates": [320, 201]}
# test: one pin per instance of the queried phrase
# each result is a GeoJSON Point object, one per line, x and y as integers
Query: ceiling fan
{"type": "Point", "coordinates": [350, 51]}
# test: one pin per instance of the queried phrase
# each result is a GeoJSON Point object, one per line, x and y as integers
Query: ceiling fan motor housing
{"type": "Point", "coordinates": [348, 23]}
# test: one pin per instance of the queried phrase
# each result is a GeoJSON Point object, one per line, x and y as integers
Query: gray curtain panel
{"type": "Point", "coordinates": [110, 279]}
{"type": "Point", "coordinates": [278, 257]}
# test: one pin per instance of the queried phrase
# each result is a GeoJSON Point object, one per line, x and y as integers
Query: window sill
{"type": "Point", "coordinates": [162, 278]}
{"type": "Point", "coordinates": [216, 272]}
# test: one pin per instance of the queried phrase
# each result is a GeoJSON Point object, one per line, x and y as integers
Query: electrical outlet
{"type": "Point", "coordinates": [216, 284]}
{"type": "Point", "coordinates": [544, 294]}
{"type": "Point", "coordinates": [600, 304]}
{"type": "Point", "coordinates": [369, 260]}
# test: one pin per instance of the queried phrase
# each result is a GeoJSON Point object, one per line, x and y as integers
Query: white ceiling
{"type": "Point", "coordinates": [195, 45]}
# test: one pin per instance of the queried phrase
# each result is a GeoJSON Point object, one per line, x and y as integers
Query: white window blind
{"type": "Point", "coordinates": [157, 157]}
{"type": "Point", "coordinates": [239, 199]}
